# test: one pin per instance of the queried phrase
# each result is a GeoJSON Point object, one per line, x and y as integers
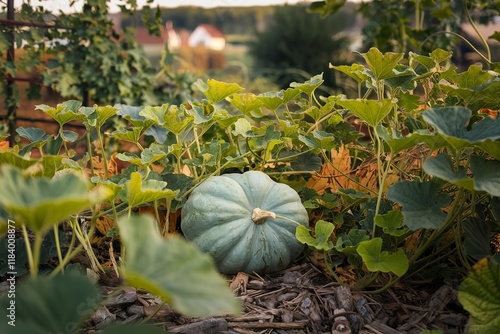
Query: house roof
{"type": "Point", "coordinates": [212, 30]}
{"type": "Point", "coordinates": [142, 36]}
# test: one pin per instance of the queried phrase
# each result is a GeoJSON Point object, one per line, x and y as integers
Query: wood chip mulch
{"type": "Point", "coordinates": [298, 300]}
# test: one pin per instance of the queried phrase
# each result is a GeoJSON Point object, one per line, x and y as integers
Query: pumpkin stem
{"type": "Point", "coordinates": [259, 216]}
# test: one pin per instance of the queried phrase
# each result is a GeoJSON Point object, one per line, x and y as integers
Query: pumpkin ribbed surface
{"type": "Point", "coordinates": [217, 217]}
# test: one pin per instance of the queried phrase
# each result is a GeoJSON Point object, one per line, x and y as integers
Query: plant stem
{"type": "Point", "coordinates": [382, 175]}
{"type": "Point", "coordinates": [89, 145]}
{"type": "Point", "coordinates": [58, 244]}
{"type": "Point", "coordinates": [37, 246]}
{"type": "Point", "coordinates": [28, 249]}
{"type": "Point", "coordinates": [105, 160]}
{"type": "Point", "coordinates": [450, 219]}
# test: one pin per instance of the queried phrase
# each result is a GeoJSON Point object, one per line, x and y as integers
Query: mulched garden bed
{"type": "Point", "coordinates": [300, 299]}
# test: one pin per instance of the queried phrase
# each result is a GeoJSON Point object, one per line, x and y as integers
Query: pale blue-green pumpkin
{"type": "Point", "coordinates": [246, 222]}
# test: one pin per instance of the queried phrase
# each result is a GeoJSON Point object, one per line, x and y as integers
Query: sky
{"type": "Point", "coordinates": [64, 5]}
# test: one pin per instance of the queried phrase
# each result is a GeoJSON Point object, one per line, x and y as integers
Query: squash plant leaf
{"type": "Point", "coordinates": [62, 114]}
{"type": "Point", "coordinates": [403, 78]}
{"type": "Point", "coordinates": [156, 114]}
{"type": "Point", "coordinates": [217, 91]}
{"type": "Point", "coordinates": [421, 203]}
{"type": "Point", "coordinates": [39, 308]}
{"type": "Point", "coordinates": [475, 88]}
{"type": "Point", "coordinates": [157, 132]}
{"type": "Point", "coordinates": [201, 113]}
{"type": "Point", "coordinates": [246, 102]}
{"type": "Point", "coordinates": [133, 115]}
{"type": "Point", "coordinates": [310, 85]}
{"type": "Point", "coordinates": [349, 242]}
{"type": "Point", "coordinates": [44, 166]}
{"type": "Point", "coordinates": [70, 136]}
{"type": "Point", "coordinates": [307, 162]}
{"type": "Point", "coordinates": [477, 238]}
{"type": "Point", "coordinates": [140, 192]}
{"type": "Point", "coordinates": [377, 260]}
{"type": "Point", "coordinates": [397, 142]}
{"type": "Point", "coordinates": [479, 294]}
{"type": "Point", "coordinates": [175, 121]}
{"type": "Point", "coordinates": [442, 166]}
{"type": "Point", "coordinates": [319, 140]}
{"type": "Point", "coordinates": [41, 203]}
{"type": "Point", "coordinates": [271, 100]}
{"type": "Point", "coordinates": [173, 269]}
{"type": "Point", "coordinates": [103, 114]}
{"type": "Point", "coordinates": [382, 66]}
{"type": "Point", "coordinates": [131, 135]}
{"type": "Point", "coordinates": [355, 71]}
{"type": "Point", "coordinates": [391, 223]}
{"type": "Point", "coordinates": [370, 111]}
{"type": "Point", "coordinates": [322, 232]}
{"type": "Point", "coordinates": [148, 156]}
{"type": "Point", "coordinates": [35, 135]}
{"type": "Point", "coordinates": [486, 175]}
{"type": "Point", "coordinates": [452, 121]}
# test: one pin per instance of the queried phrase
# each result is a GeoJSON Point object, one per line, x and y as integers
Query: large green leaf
{"type": "Point", "coordinates": [34, 135]}
{"type": "Point", "coordinates": [41, 203]}
{"type": "Point", "coordinates": [421, 203]}
{"type": "Point", "coordinates": [377, 260]}
{"type": "Point", "coordinates": [148, 156]}
{"type": "Point", "coordinates": [322, 232]}
{"type": "Point", "coordinates": [479, 294]}
{"type": "Point", "coordinates": [370, 111]}
{"type": "Point", "coordinates": [486, 175]}
{"type": "Point", "coordinates": [355, 71]}
{"type": "Point", "coordinates": [64, 112]}
{"type": "Point", "coordinates": [382, 66]}
{"type": "Point", "coordinates": [452, 123]}
{"type": "Point", "coordinates": [140, 192]}
{"type": "Point", "coordinates": [46, 165]}
{"type": "Point", "coordinates": [103, 114]}
{"type": "Point", "coordinates": [217, 91]}
{"type": "Point", "coordinates": [156, 114]}
{"type": "Point", "coordinates": [308, 86]}
{"type": "Point", "coordinates": [131, 135]}
{"type": "Point", "coordinates": [477, 238]}
{"type": "Point", "coordinates": [391, 223]}
{"type": "Point", "coordinates": [397, 142]}
{"type": "Point", "coordinates": [50, 305]}
{"type": "Point", "coordinates": [442, 166]}
{"type": "Point", "coordinates": [174, 270]}
{"type": "Point", "coordinates": [271, 100]}
{"type": "Point", "coordinates": [246, 102]}
{"type": "Point", "coordinates": [476, 88]}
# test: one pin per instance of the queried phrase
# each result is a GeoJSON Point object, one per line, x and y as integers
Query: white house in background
{"type": "Point", "coordinates": [208, 36]}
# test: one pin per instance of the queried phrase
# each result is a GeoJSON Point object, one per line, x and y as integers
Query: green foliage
{"type": "Point", "coordinates": [81, 56]}
{"type": "Point", "coordinates": [479, 294]}
{"type": "Point", "coordinates": [38, 307]}
{"type": "Point", "coordinates": [295, 51]}
{"type": "Point", "coordinates": [322, 233]}
{"type": "Point", "coordinates": [424, 173]}
{"type": "Point", "coordinates": [174, 270]}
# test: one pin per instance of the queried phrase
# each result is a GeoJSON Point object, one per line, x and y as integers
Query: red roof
{"type": "Point", "coordinates": [142, 36]}
{"type": "Point", "coordinates": [212, 30]}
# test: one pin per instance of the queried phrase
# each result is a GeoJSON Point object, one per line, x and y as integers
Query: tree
{"type": "Point", "coordinates": [297, 41]}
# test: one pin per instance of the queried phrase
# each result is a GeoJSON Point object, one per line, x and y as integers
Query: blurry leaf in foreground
{"type": "Point", "coordinates": [175, 270]}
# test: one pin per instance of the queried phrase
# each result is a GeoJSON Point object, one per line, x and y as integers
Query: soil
{"type": "Point", "coordinates": [300, 299]}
